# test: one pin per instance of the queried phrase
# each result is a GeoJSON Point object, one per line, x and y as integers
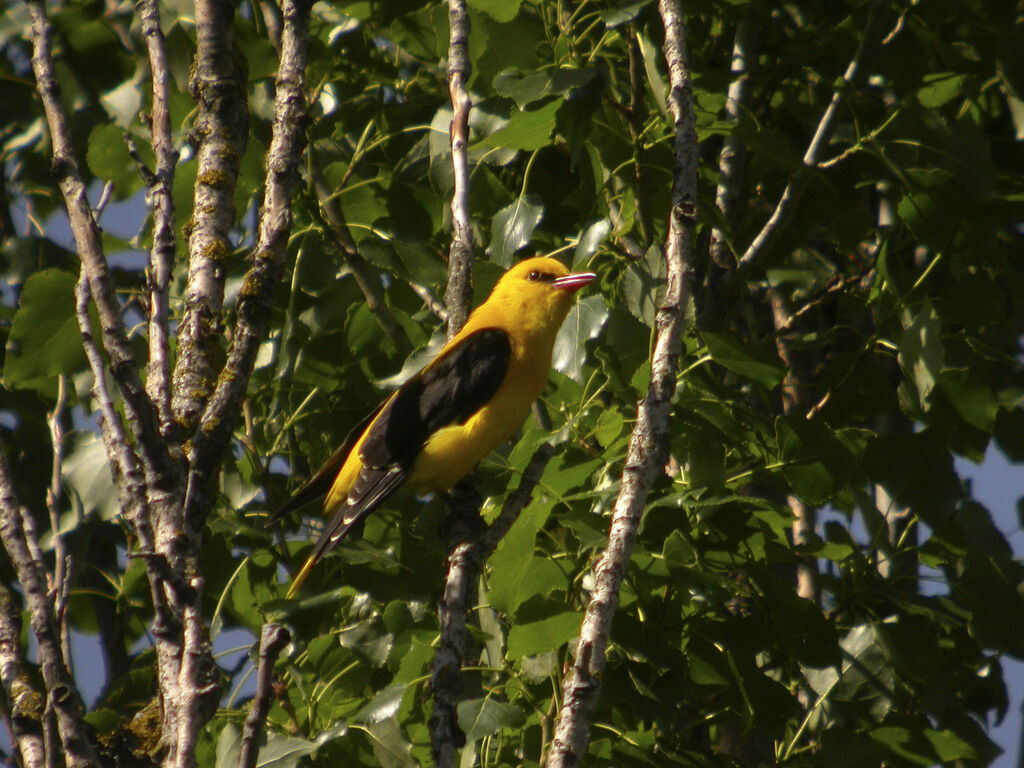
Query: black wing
{"type": "Point", "coordinates": [448, 391]}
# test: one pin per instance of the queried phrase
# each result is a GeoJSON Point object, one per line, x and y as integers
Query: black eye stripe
{"type": "Point", "coordinates": [544, 277]}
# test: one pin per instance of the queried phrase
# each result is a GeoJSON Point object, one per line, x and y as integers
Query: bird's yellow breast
{"type": "Point", "coordinates": [451, 453]}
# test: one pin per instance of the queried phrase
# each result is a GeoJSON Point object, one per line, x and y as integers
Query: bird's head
{"type": "Point", "coordinates": [540, 286]}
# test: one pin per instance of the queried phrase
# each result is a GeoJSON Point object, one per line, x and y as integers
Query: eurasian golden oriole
{"type": "Point", "coordinates": [432, 431]}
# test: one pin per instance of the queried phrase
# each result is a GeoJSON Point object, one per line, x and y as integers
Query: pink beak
{"type": "Point", "coordinates": [574, 281]}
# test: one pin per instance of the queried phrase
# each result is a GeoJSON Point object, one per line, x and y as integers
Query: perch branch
{"type": "Point", "coordinates": [465, 562]}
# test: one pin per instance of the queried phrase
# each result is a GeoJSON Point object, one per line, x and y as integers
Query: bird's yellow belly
{"type": "Point", "coordinates": [452, 452]}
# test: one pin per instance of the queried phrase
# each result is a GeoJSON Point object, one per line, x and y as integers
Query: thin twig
{"type": "Point", "coordinates": [161, 255]}
{"type": "Point", "coordinates": [648, 444]}
{"type": "Point", "coordinates": [791, 195]}
{"type": "Point", "coordinates": [273, 639]}
{"type": "Point", "coordinates": [62, 694]}
{"type": "Point", "coordinates": [636, 116]}
{"type": "Point", "coordinates": [459, 294]}
{"type": "Point", "coordinates": [368, 283]}
{"type": "Point", "coordinates": [61, 566]}
{"type": "Point", "coordinates": [433, 303]}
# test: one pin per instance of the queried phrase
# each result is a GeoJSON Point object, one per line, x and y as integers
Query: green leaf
{"type": "Point", "coordinates": [515, 574]}
{"type": "Point", "coordinates": [512, 228]}
{"type": "Point", "coordinates": [623, 14]}
{"type": "Point", "coordinates": [940, 88]}
{"type": "Point", "coordinates": [590, 241]}
{"type": "Point", "coordinates": [643, 285]}
{"type": "Point", "coordinates": [382, 706]}
{"type": "Point", "coordinates": [972, 399]}
{"type": "Point", "coordinates": [390, 746]}
{"type": "Point", "coordinates": [548, 634]}
{"type": "Point", "coordinates": [528, 87]}
{"type": "Point", "coordinates": [527, 130]}
{"type": "Point", "coordinates": [484, 717]}
{"type": "Point", "coordinates": [45, 339]}
{"type": "Point", "coordinates": [908, 743]}
{"type": "Point", "coordinates": [921, 352]}
{"type": "Point", "coordinates": [815, 463]}
{"type": "Point", "coordinates": [108, 158]}
{"type": "Point", "coordinates": [752, 363]}
{"type": "Point", "coordinates": [86, 474]}
{"type": "Point", "coordinates": [585, 321]}
{"type": "Point", "coordinates": [948, 746]}
{"type": "Point", "coordinates": [499, 10]}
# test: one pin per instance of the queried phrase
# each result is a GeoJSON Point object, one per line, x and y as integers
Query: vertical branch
{"type": "Point", "coordinates": [794, 400]}
{"type": "Point", "coordinates": [648, 443]}
{"type": "Point", "coordinates": [463, 534]}
{"type": "Point", "coordinates": [62, 560]}
{"type": "Point", "coordinates": [221, 131]}
{"type": "Point", "coordinates": [731, 158]}
{"type": "Point", "coordinates": [24, 699]}
{"type": "Point", "coordinates": [221, 412]}
{"type": "Point", "coordinates": [459, 295]}
{"type": "Point", "coordinates": [62, 695]}
{"type": "Point", "coordinates": [255, 299]}
{"type": "Point", "coordinates": [161, 255]}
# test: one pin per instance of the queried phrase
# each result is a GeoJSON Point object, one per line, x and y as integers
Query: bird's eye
{"type": "Point", "coordinates": [536, 276]}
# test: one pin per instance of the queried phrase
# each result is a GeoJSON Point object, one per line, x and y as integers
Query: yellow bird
{"type": "Point", "coordinates": [463, 404]}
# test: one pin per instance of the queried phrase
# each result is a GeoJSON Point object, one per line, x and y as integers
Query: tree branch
{"type": "Point", "coordinates": [62, 560]}
{"type": "Point", "coordinates": [465, 562]}
{"type": "Point", "coordinates": [273, 639]}
{"type": "Point", "coordinates": [141, 415]}
{"type": "Point", "coordinates": [221, 131]}
{"type": "Point", "coordinates": [266, 264]}
{"type": "Point", "coordinates": [731, 158]}
{"type": "Point", "coordinates": [161, 255]}
{"type": "Point", "coordinates": [458, 296]}
{"type": "Point", "coordinates": [794, 399]}
{"type": "Point", "coordinates": [648, 444]}
{"type": "Point", "coordinates": [791, 195]}
{"type": "Point", "coordinates": [368, 283]}
{"type": "Point", "coordinates": [62, 695]}
{"type": "Point", "coordinates": [26, 701]}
